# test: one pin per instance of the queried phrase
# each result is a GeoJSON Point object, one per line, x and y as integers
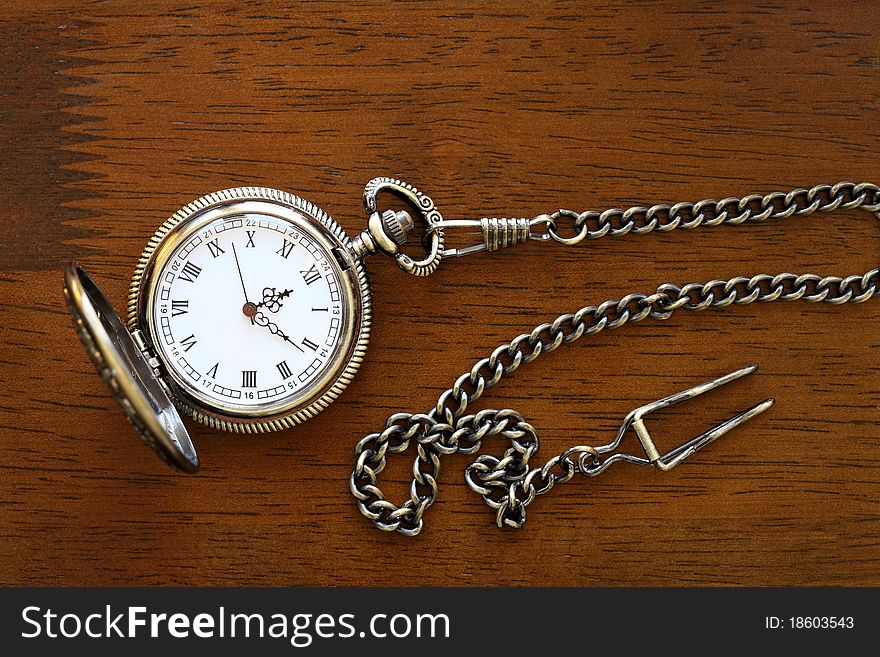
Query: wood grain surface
{"type": "Point", "coordinates": [114, 115]}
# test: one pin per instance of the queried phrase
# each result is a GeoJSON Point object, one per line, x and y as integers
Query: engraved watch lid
{"type": "Point", "coordinates": [124, 367]}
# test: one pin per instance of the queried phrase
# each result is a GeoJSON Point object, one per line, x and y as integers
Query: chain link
{"type": "Point", "coordinates": [579, 226]}
{"type": "Point", "coordinates": [509, 484]}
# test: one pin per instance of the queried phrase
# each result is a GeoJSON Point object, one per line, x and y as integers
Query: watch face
{"type": "Point", "coordinates": [250, 309]}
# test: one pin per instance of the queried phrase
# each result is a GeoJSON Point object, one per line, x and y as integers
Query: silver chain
{"type": "Point", "coordinates": [509, 484]}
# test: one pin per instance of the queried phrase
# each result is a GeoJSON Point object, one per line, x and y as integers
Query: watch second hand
{"type": "Point", "coordinates": [241, 278]}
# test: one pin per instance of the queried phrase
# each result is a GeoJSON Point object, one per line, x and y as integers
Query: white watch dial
{"type": "Point", "coordinates": [248, 314]}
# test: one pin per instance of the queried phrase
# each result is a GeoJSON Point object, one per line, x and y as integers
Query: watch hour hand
{"type": "Point", "coordinates": [272, 299]}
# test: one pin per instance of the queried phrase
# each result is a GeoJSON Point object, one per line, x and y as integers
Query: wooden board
{"type": "Point", "coordinates": [116, 114]}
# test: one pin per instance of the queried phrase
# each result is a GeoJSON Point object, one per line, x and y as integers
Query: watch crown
{"type": "Point", "coordinates": [397, 225]}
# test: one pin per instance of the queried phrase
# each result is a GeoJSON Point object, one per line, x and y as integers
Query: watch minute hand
{"type": "Point", "coordinates": [261, 320]}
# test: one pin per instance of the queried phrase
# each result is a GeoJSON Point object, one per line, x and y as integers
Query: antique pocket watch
{"type": "Point", "coordinates": [249, 310]}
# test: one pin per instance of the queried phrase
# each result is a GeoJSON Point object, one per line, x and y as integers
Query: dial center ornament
{"type": "Point", "coordinates": [249, 310]}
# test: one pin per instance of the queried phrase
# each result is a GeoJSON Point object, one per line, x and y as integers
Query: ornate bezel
{"type": "Point", "coordinates": [354, 279]}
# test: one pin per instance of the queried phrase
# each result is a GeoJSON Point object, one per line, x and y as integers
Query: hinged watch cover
{"type": "Point", "coordinates": [125, 369]}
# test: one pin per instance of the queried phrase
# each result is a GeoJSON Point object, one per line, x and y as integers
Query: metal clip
{"type": "Point", "coordinates": [635, 420]}
{"type": "Point", "coordinates": [497, 233]}
{"type": "Point", "coordinates": [387, 231]}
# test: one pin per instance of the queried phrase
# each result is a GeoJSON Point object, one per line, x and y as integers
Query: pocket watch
{"type": "Point", "coordinates": [249, 310]}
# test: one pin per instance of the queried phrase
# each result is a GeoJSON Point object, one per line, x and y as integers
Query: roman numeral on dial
{"type": "Point", "coordinates": [213, 371]}
{"type": "Point", "coordinates": [179, 307]}
{"type": "Point", "coordinates": [285, 249]}
{"type": "Point", "coordinates": [249, 379]}
{"type": "Point", "coordinates": [214, 248]}
{"type": "Point", "coordinates": [284, 369]}
{"type": "Point", "coordinates": [188, 342]}
{"type": "Point", "coordinates": [250, 242]}
{"type": "Point", "coordinates": [311, 345]}
{"type": "Point", "coordinates": [311, 274]}
{"type": "Point", "coordinates": [190, 272]}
